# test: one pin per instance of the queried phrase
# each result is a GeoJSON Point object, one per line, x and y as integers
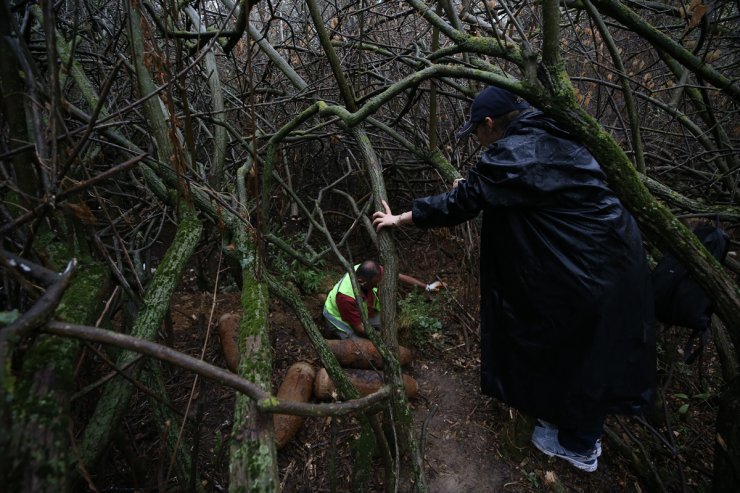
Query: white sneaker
{"type": "Point", "coordinates": [546, 440]}
{"type": "Point", "coordinates": [546, 427]}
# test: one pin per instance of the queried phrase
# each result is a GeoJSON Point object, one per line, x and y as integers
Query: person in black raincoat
{"type": "Point", "coordinates": [567, 317]}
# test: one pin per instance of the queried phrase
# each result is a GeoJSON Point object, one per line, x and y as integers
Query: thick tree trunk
{"type": "Point", "coordinates": [253, 462]}
{"type": "Point", "coordinates": [39, 447]}
{"type": "Point", "coordinates": [39, 456]}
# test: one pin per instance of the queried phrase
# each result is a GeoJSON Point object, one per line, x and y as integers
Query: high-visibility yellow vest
{"type": "Point", "coordinates": [344, 286]}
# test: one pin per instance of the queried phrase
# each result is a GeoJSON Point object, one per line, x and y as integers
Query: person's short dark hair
{"type": "Point", "coordinates": [368, 270]}
{"type": "Point", "coordinates": [492, 102]}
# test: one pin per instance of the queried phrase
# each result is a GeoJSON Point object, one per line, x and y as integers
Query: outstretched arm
{"type": "Point", "coordinates": [412, 281]}
{"type": "Point", "coordinates": [386, 219]}
{"type": "Point", "coordinates": [432, 287]}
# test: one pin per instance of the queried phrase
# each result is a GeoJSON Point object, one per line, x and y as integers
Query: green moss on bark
{"type": "Point", "coordinates": [113, 403]}
{"type": "Point", "coordinates": [39, 457]}
{"type": "Point", "coordinates": [253, 465]}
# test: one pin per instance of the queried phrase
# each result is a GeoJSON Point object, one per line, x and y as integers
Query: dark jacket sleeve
{"type": "Point", "coordinates": [449, 208]}
{"type": "Point", "coordinates": [506, 175]}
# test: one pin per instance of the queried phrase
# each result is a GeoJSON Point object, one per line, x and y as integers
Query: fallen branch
{"type": "Point", "coordinates": [264, 401]}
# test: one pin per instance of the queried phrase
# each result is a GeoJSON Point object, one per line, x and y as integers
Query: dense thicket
{"type": "Point", "coordinates": [267, 131]}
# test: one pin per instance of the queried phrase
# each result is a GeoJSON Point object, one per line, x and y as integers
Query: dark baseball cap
{"type": "Point", "coordinates": [491, 102]}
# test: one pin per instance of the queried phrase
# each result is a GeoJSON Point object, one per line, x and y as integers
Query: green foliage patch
{"type": "Point", "coordinates": [419, 318]}
{"type": "Point", "coordinates": [309, 280]}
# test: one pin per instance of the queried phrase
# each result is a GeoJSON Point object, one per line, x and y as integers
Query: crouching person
{"type": "Point", "coordinates": [341, 309]}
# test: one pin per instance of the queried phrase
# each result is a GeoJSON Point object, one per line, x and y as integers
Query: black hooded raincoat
{"type": "Point", "coordinates": [567, 317]}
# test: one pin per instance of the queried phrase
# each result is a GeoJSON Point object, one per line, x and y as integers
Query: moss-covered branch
{"type": "Point", "coordinates": [345, 89]}
{"type": "Point", "coordinates": [681, 202]}
{"type": "Point", "coordinates": [466, 43]}
{"type": "Point", "coordinates": [551, 33]}
{"type": "Point", "coordinates": [253, 464]}
{"type": "Point", "coordinates": [253, 461]}
{"type": "Point", "coordinates": [113, 403]}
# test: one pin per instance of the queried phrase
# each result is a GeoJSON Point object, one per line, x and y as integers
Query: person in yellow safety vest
{"type": "Point", "coordinates": [340, 310]}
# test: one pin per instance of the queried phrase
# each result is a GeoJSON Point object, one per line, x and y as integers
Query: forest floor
{"type": "Point", "coordinates": [472, 443]}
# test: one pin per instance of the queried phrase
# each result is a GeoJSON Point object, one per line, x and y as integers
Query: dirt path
{"type": "Point", "coordinates": [459, 449]}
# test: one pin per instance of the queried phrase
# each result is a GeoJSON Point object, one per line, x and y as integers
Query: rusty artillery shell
{"type": "Point", "coordinates": [361, 353]}
{"type": "Point", "coordinates": [228, 332]}
{"type": "Point", "coordinates": [297, 386]}
{"type": "Point", "coordinates": [366, 382]}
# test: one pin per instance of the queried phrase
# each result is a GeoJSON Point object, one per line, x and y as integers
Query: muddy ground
{"type": "Point", "coordinates": [471, 443]}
